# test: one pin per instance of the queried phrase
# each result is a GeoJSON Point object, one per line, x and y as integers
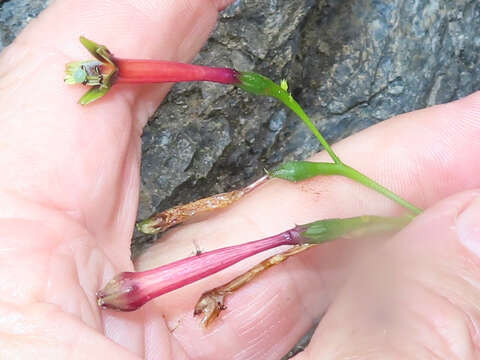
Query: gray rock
{"type": "Point", "coordinates": [350, 64]}
{"type": "Point", "coordinates": [15, 15]}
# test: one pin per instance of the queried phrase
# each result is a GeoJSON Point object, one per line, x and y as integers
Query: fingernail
{"type": "Point", "coordinates": [468, 226]}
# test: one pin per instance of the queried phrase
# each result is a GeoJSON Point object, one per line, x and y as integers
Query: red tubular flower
{"type": "Point", "coordinates": [128, 291]}
{"type": "Point", "coordinates": [106, 70]}
{"type": "Point", "coordinates": [159, 71]}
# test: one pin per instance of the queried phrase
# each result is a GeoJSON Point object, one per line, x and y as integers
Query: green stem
{"type": "Point", "coordinates": [355, 175]}
{"type": "Point", "coordinates": [290, 102]}
{"type": "Point", "coordinates": [261, 85]}
{"type": "Point", "coordinates": [302, 170]}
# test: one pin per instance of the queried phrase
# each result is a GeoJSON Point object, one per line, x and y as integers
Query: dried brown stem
{"type": "Point", "coordinates": [166, 219]}
{"type": "Point", "coordinates": [212, 302]}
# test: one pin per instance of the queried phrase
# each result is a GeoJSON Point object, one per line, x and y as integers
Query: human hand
{"type": "Point", "coordinates": [69, 192]}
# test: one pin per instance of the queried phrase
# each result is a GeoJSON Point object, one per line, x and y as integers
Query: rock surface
{"type": "Point", "coordinates": [15, 15]}
{"type": "Point", "coordinates": [350, 64]}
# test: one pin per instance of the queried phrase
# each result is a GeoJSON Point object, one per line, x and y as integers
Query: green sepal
{"type": "Point", "coordinates": [258, 84]}
{"type": "Point", "coordinates": [92, 47]}
{"type": "Point", "coordinates": [303, 170]}
{"type": "Point", "coordinates": [100, 52]}
{"type": "Point", "coordinates": [93, 94]}
{"type": "Point", "coordinates": [356, 227]}
{"type": "Point", "coordinates": [99, 73]}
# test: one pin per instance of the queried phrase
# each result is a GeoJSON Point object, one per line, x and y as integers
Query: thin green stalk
{"type": "Point", "coordinates": [290, 102]}
{"type": "Point", "coordinates": [261, 85]}
{"type": "Point", "coordinates": [355, 175]}
{"type": "Point", "coordinates": [302, 170]}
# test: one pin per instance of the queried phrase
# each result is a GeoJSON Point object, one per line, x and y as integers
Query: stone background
{"type": "Point", "coordinates": [350, 63]}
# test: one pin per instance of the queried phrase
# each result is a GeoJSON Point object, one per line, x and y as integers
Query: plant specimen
{"type": "Point", "coordinates": [129, 290]}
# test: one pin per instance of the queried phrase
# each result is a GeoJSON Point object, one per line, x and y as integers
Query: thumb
{"type": "Point", "coordinates": [417, 297]}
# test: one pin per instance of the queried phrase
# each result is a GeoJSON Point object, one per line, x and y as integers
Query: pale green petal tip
{"type": "Point", "coordinates": [82, 72]}
{"type": "Point", "coordinates": [146, 227]}
{"type": "Point", "coordinates": [284, 87]}
{"type": "Point", "coordinates": [74, 74]}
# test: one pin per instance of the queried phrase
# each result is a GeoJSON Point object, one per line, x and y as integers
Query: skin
{"type": "Point", "coordinates": [69, 191]}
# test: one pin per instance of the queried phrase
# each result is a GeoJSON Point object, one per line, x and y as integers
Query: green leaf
{"type": "Point", "coordinates": [93, 94]}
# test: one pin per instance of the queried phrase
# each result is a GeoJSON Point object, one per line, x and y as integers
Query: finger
{"type": "Point", "coordinates": [420, 155]}
{"type": "Point", "coordinates": [80, 161]}
{"type": "Point", "coordinates": [417, 298]}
